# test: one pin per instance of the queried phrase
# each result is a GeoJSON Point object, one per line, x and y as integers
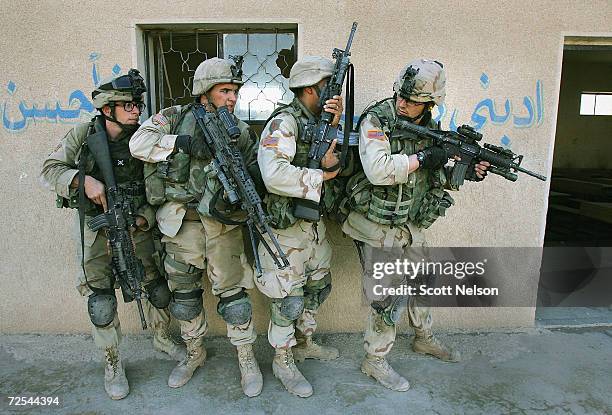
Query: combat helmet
{"type": "Point", "coordinates": [215, 71]}
{"type": "Point", "coordinates": [309, 71]}
{"type": "Point", "coordinates": [422, 80]}
{"type": "Point", "coordinates": [125, 88]}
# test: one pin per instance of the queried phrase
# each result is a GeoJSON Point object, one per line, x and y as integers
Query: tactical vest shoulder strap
{"type": "Point", "coordinates": [383, 109]}
{"type": "Point", "coordinates": [184, 110]}
{"type": "Point", "coordinates": [291, 109]}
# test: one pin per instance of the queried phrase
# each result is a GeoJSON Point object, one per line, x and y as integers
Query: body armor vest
{"type": "Point", "coordinates": [280, 208]}
{"type": "Point", "coordinates": [128, 172]}
{"type": "Point", "coordinates": [421, 200]}
{"type": "Point", "coordinates": [182, 178]}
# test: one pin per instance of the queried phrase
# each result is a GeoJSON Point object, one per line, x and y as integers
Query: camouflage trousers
{"type": "Point", "coordinates": [99, 275]}
{"type": "Point", "coordinates": [206, 245]}
{"type": "Point", "coordinates": [380, 336]}
{"type": "Point", "coordinates": [309, 255]}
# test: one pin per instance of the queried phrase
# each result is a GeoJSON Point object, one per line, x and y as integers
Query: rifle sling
{"type": "Point", "coordinates": [348, 115]}
{"type": "Point", "coordinates": [218, 215]}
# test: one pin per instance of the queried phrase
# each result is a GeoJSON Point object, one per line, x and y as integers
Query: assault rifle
{"type": "Point", "coordinates": [118, 222]}
{"type": "Point", "coordinates": [323, 136]}
{"type": "Point", "coordinates": [221, 135]}
{"type": "Point", "coordinates": [464, 143]}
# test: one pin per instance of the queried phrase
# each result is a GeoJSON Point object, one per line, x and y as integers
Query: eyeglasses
{"type": "Point", "coordinates": [129, 106]}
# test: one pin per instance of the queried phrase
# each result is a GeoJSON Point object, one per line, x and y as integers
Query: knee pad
{"type": "Point", "coordinates": [159, 293]}
{"type": "Point", "coordinates": [102, 306]}
{"type": "Point", "coordinates": [186, 306]}
{"type": "Point", "coordinates": [235, 309]}
{"type": "Point", "coordinates": [391, 309]}
{"type": "Point", "coordinates": [315, 292]}
{"type": "Point", "coordinates": [284, 311]}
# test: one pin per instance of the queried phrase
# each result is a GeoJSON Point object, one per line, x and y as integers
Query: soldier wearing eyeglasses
{"type": "Point", "coordinates": [120, 104]}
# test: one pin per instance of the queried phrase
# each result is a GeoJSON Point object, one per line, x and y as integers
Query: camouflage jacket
{"type": "Point", "coordinates": [61, 166]}
{"type": "Point", "coordinates": [187, 181]}
{"type": "Point", "coordinates": [385, 194]}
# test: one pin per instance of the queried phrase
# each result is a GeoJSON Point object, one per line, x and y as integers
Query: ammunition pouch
{"type": "Point", "coordinates": [167, 180]}
{"type": "Point", "coordinates": [434, 205]}
{"type": "Point", "coordinates": [280, 209]}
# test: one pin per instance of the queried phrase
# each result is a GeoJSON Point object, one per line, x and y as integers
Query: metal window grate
{"type": "Point", "coordinates": [173, 56]}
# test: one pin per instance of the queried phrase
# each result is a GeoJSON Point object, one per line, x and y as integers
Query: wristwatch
{"type": "Point", "coordinates": [420, 157]}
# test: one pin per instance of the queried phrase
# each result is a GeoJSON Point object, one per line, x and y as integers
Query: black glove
{"type": "Point", "coordinates": [432, 157]}
{"type": "Point", "coordinates": [195, 146]}
{"type": "Point", "coordinates": [471, 174]}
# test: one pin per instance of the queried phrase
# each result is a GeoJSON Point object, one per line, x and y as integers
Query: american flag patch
{"type": "Point", "coordinates": [159, 120]}
{"type": "Point", "coordinates": [376, 134]}
{"type": "Point", "coordinates": [270, 141]}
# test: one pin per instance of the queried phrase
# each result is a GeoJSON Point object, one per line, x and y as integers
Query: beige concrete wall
{"type": "Point", "coordinates": [46, 47]}
{"type": "Point", "coordinates": [583, 141]}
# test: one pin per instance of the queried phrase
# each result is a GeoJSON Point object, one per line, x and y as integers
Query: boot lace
{"type": "Point", "coordinates": [112, 359]}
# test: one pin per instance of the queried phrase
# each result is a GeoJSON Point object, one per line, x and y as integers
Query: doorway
{"type": "Point", "coordinates": [580, 199]}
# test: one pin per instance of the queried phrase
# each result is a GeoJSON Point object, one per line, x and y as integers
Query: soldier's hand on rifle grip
{"type": "Point", "coordinates": [330, 163]}
{"type": "Point", "coordinates": [141, 222]}
{"type": "Point", "coordinates": [432, 157]}
{"type": "Point", "coordinates": [479, 173]}
{"type": "Point", "coordinates": [95, 191]}
{"type": "Point", "coordinates": [334, 106]}
{"type": "Point", "coordinates": [481, 169]}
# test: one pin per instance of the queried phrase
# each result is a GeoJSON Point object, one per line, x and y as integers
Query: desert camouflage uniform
{"type": "Point", "coordinates": [59, 169]}
{"type": "Point", "coordinates": [194, 241]}
{"type": "Point", "coordinates": [282, 157]}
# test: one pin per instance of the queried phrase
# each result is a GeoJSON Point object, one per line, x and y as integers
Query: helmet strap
{"type": "Point", "coordinates": [209, 102]}
{"type": "Point", "coordinates": [125, 128]}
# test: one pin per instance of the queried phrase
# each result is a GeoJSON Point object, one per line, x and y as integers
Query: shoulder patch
{"type": "Point", "coordinates": [376, 135]}
{"type": "Point", "coordinates": [275, 125]}
{"type": "Point", "coordinates": [374, 120]}
{"type": "Point", "coordinates": [169, 112]}
{"type": "Point", "coordinates": [270, 141]}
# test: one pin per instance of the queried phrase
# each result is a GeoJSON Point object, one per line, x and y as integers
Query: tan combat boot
{"type": "Point", "coordinates": [381, 370]}
{"type": "Point", "coordinates": [426, 343]}
{"type": "Point", "coordinates": [196, 355]}
{"type": "Point", "coordinates": [115, 382]}
{"type": "Point", "coordinates": [251, 378]}
{"type": "Point", "coordinates": [286, 371]}
{"type": "Point", "coordinates": [163, 342]}
{"type": "Point", "coordinates": [306, 348]}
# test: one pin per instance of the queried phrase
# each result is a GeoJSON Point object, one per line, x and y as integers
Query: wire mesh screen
{"type": "Point", "coordinates": [268, 58]}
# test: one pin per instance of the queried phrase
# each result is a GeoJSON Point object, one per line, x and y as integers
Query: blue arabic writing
{"type": "Point", "coordinates": [487, 110]}
{"type": "Point", "coordinates": [78, 104]}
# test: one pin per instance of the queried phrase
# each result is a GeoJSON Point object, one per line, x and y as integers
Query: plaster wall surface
{"type": "Point", "coordinates": [502, 52]}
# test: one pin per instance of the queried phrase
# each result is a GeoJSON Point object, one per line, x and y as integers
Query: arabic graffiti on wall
{"type": "Point", "coordinates": [17, 114]}
{"type": "Point", "coordinates": [529, 114]}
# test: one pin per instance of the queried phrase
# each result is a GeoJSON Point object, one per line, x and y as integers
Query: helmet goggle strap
{"type": "Point", "coordinates": [236, 68]}
{"type": "Point", "coordinates": [132, 83]}
{"type": "Point", "coordinates": [408, 81]}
